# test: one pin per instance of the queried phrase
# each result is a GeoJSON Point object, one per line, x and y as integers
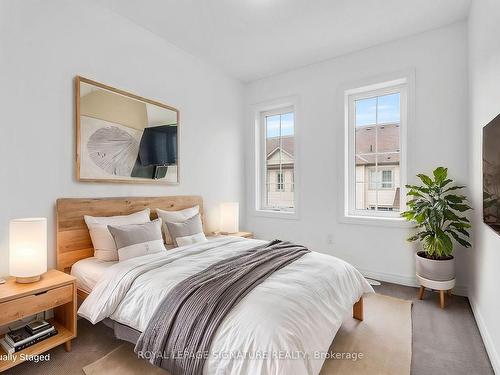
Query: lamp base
{"type": "Point", "coordinates": [27, 280]}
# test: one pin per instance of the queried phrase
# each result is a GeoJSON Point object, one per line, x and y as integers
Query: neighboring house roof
{"type": "Point", "coordinates": [382, 159]}
{"type": "Point", "coordinates": [388, 141]}
{"type": "Point", "coordinates": [269, 155]}
{"type": "Point", "coordinates": [273, 144]}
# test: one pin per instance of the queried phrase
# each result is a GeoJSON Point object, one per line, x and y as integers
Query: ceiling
{"type": "Point", "coordinates": [252, 39]}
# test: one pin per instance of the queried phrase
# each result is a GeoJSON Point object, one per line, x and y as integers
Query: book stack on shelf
{"type": "Point", "coordinates": [26, 336]}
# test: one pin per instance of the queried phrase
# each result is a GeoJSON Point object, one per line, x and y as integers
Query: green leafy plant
{"type": "Point", "coordinates": [438, 211]}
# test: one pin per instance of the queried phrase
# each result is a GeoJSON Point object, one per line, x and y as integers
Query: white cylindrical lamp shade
{"type": "Point", "coordinates": [229, 217]}
{"type": "Point", "coordinates": [28, 248]}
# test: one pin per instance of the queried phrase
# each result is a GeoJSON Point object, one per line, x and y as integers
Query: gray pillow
{"type": "Point", "coordinates": [187, 232]}
{"type": "Point", "coordinates": [175, 217]}
{"type": "Point", "coordinates": [104, 245]}
{"type": "Point", "coordinates": [135, 240]}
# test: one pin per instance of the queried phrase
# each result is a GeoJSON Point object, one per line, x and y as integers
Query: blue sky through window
{"type": "Point", "coordinates": [273, 125]}
{"type": "Point", "coordinates": [387, 110]}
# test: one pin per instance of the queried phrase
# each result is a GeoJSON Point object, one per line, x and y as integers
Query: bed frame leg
{"type": "Point", "coordinates": [357, 310]}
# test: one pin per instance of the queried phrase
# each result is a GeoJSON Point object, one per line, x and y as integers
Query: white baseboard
{"type": "Point", "coordinates": [459, 290]}
{"type": "Point", "coordinates": [487, 340]}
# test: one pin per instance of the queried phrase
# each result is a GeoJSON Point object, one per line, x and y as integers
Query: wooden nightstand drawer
{"type": "Point", "coordinates": [55, 290]}
{"type": "Point", "coordinates": [35, 303]}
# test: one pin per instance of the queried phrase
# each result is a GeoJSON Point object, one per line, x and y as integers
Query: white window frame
{"type": "Point", "coordinates": [350, 96]}
{"type": "Point", "coordinates": [260, 110]}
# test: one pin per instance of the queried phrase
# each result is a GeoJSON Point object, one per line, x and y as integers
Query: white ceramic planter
{"type": "Point", "coordinates": [438, 270]}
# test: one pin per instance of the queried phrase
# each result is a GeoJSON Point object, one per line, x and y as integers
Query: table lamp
{"type": "Point", "coordinates": [28, 249]}
{"type": "Point", "coordinates": [230, 216]}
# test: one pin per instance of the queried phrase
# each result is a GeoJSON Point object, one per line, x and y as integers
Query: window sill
{"type": "Point", "coordinates": [394, 222]}
{"type": "Point", "coordinates": [277, 214]}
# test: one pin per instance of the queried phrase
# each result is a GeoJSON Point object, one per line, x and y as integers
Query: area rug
{"type": "Point", "coordinates": [122, 361]}
{"type": "Point", "coordinates": [380, 344]}
{"type": "Point", "coordinates": [383, 338]}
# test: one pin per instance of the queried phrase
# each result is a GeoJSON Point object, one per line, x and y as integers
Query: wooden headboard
{"type": "Point", "coordinates": [73, 238]}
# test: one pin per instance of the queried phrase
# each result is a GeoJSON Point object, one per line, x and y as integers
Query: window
{"type": "Point", "coordinates": [381, 179]}
{"type": "Point", "coordinates": [280, 181]}
{"type": "Point", "coordinates": [373, 178]}
{"type": "Point", "coordinates": [375, 130]}
{"type": "Point", "coordinates": [277, 160]}
{"type": "Point", "coordinates": [387, 182]}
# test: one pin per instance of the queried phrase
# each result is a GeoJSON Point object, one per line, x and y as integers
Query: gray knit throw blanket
{"type": "Point", "coordinates": [179, 334]}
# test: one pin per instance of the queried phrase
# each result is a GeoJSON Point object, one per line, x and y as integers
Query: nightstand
{"type": "Point", "coordinates": [55, 290]}
{"type": "Point", "coordinates": [236, 234]}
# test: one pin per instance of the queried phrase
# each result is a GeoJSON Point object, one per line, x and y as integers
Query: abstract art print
{"type": "Point", "coordinates": [122, 137]}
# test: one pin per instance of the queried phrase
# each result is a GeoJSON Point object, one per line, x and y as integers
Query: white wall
{"type": "Point", "coordinates": [43, 46]}
{"type": "Point", "coordinates": [484, 62]}
{"type": "Point", "coordinates": [437, 137]}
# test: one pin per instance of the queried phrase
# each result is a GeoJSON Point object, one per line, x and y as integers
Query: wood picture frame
{"type": "Point", "coordinates": [78, 128]}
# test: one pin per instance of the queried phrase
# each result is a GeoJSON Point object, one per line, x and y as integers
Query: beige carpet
{"type": "Point", "coordinates": [383, 339]}
{"type": "Point", "coordinates": [122, 361]}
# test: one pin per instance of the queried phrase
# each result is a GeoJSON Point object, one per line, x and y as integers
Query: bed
{"type": "Point", "coordinates": [289, 319]}
{"type": "Point", "coordinates": [88, 271]}
{"type": "Point", "coordinates": [73, 242]}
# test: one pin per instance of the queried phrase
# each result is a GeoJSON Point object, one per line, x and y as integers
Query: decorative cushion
{"type": "Point", "coordinates": [188, 232]}
{"type": "Point", "coordinates": [175, 217]}
{"type": "Point", "coordinates": [104, 244]}
{"type": "Point", "coordinates": [135, 240]}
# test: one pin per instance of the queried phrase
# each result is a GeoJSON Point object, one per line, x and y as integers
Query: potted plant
{"type": "Point", "coordinates": [437, 209]}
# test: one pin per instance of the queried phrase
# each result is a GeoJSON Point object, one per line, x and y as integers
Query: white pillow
{"type": "Point", "coordinates": [189, 240]}
{"type": "Point", "coordinates": [104, 244]}
{"type": "Point", "coordinates": [175, 217]}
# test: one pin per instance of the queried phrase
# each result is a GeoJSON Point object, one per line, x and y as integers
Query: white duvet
{"type": "Point", "coordinates": [281, 327]}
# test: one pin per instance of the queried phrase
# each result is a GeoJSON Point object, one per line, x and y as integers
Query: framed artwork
{"type": "Point", "coordinates": [491, 174]}
{"type": "Point", "coordinates": [122, 137]}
